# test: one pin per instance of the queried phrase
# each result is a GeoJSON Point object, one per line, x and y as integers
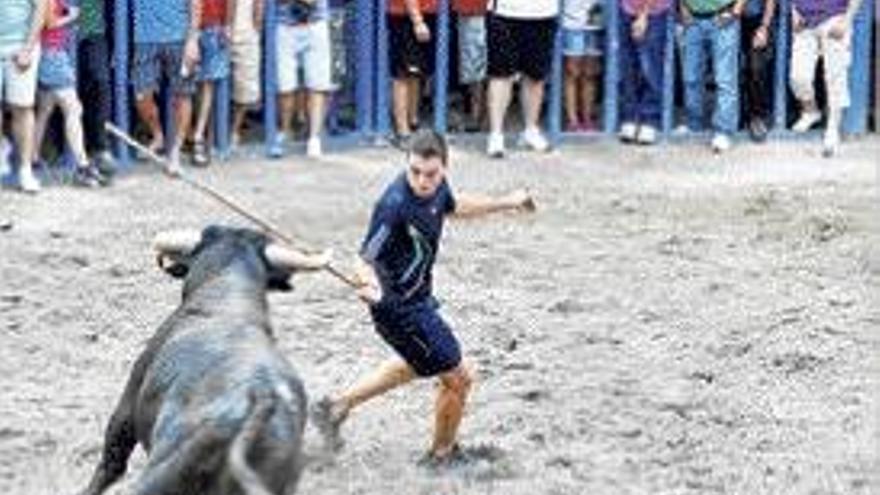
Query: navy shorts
{"type": "Point", "coordinates": [158, 62]}
{"type": "Point", "coordinates": [420, 336]}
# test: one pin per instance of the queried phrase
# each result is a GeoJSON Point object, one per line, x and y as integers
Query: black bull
{"type": "Point", "coordinates": [215, 405]}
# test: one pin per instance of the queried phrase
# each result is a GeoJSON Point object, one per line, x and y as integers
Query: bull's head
{"type": "Point", "coordinates": [201, 256]}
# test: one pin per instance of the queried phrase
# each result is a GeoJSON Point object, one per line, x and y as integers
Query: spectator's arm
{"type": "Point", "coordinates": [72, 15]}
{"type": "Point", "coordinates": [769, 9]}
{"type": "Point", "coordinates": [39, 20]}
{"type": "Point", "coordinates": [259, 12]}
{"type": "Point", "coordinates": [195, 16]}
{"type": "Point", "coordinates": [851, 10]}
{"type": "Point", "coordinates": [414, 11]}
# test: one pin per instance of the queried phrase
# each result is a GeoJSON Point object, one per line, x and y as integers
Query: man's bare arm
{"type": "Point", "coordinates": [477, 205]}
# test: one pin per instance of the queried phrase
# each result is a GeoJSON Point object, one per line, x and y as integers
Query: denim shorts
{"type": "Point", "coordinates": [57, 70]}
{"type": "Point", "coordinates": [214, 52]}
{"type": "Point", "coordinates": [582, 42]}
{"type": "Point", "coordinates": [473, 57]}
{"type": "Point", "coordinates": [157, 62]}
{"type": "Point", "coordinates": [419, 335]}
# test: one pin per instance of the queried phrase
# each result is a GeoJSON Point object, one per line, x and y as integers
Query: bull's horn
{"type": "Point", "coordinates": [176, 241]}
{"type": "Point", "coordinates": [290, 259]}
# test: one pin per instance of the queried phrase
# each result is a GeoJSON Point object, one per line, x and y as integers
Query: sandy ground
{"type": "Point", "coordinates": [669, 322]}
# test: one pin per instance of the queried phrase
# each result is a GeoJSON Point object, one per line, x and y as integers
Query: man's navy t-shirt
{"type": "Point", "coordinates": [403, 238]}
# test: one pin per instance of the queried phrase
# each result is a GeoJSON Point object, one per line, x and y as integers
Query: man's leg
{"type": "Point", "coordinates": [414, 97]}
{"type": "Point", "coordinates": [183, 118]}
{"type": "Point", "coordinates": [330, 412]}
{"type": "Point", "coordinates": [693, 71]}
{"type": "Point", "coordinates": [533, 98]}
{"type": "Point", "coordinates": [317, 106]}
{"type": "Point", "coordinates": [804, 57]}
{"type": "Point", "coordinates": [725, 66]}
{"type": "Point", "coordinates": [23, 131]}
{"type": "Point", "coordinates": [573, 76]}
{"type": "Point", "coordinates": [500, 91]}
{"type": "Point", "coordinates": [45, 106]}
{"type": "Point", "coordinates": [206, 99]}
{"type": "Point", "coordinates": [452, 394]}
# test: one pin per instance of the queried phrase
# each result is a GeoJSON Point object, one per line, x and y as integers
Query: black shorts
{"type": "Point", "coordinates": [420, 336]}
{"type": "Point", "coordinates": [409, 57]}
{"type": "Point", "coordinates": [520, 45]}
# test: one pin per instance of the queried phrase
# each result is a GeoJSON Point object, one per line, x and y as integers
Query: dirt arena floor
{"type": "Point", "coordinates": [669, 322]}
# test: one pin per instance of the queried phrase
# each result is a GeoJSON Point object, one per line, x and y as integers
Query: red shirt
{"type": "Point", "coordinates": [398, 7]}
{"type": "Point", "coordinates": [469, 7]}
{"type": "Point", "coordinates": [213, 13]}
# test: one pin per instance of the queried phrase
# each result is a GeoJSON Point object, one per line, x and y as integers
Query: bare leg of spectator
{"type": "Point", "coordinates": [149, 113]}
{"type": "Point", "coordinates": [534, 96]}
{"type": "Point", "coordinates": [45, 106]}
{"type": "Point", "coordinates": [238, 116]}
{"type": "Point", "coordinates": [400, 103]}
{"type": "Point", "coordinates": [589, 87]}
{"type": "Point", "coordinates": [23, 131]}
{"type": "Point", "coordinates": [500, 90]}
{"type": "Point", "coordinates": [183, 117]}
{"type": "Point", "coordinates": [414, 97]}
{"type": "Point", "coordinates": [477, 102]}
{"type": "Point", "coordinates": [206, 100]}
{"type": "Point", "coordinates": [288, 108]}
{"type": "Point", "coordinates": [317, 105]}
{"type": "Point", "coordinates": [73, 131]}
{"type": "Point", "coordinates": [573, 75]}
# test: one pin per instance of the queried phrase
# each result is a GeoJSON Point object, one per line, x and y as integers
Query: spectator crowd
{"type": "Point", "coordinates": [55, 54]}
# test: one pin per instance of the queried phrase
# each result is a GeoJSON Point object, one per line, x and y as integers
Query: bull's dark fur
{"type": "Point", "coordinates": [216, 406]}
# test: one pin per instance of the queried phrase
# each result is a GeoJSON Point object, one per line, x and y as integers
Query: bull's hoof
{"type": "Point", "coordinates": [328, 421]}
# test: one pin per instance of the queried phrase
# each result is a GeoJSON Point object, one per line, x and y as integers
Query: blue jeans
{"type": "Point", "coordinates": [641, 70]}
{"type": "Point", "coordinates": [723, 44]}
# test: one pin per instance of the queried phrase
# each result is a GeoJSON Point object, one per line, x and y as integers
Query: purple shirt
{"type": "Point", "coordinates": [632, 7]}
{"type": "Point", "coordinates": [816, 12]}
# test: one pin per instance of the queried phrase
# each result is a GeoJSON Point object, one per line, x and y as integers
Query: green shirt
{"type": "Point", "coordinates": [704, 7]}
{"type": "Point", "coordinates": [91, 18]}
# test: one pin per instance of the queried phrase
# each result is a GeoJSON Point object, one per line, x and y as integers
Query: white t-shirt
{"type": "Point", "coordinates": [525, 9]}
{"type": "Point", "coordinates": [576, 13]}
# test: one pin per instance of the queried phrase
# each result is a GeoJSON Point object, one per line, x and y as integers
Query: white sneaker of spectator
{"type": "Point", "coordinates": [681, 130]}
{"type": "Point", "coordinates": [4, 157]}
{"type": "Point", "coordinates": [495, 146]}
{"type": "Point", "coordinates": [806, 121]}
{"type": "Point", "coordinates": [830, 144]}
{"type": "Point", "coordinates": [628, 132]}
{"type": "Point", "coordinates": [172, 166]}
{"type": "Point", "coordinates": [27, 182]}
{"type": "Point", "coordinates": [647, 135]}
{"type": "Point", "coordinates": [533, 139]}
{"type": "Point", "coordinates": [720, 143]}
{"type": "Point", "coordinates": [313, 148]}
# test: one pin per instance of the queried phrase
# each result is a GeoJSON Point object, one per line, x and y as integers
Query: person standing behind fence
{"type": "Point", "coordinates": [521, 35]}
{"type": "Point", "coordinates": [716, 23]}
{"type": "Point", "coordinates": [412, 46]}
{"type": "Point", "coordinates": [642, 32]}
{"type": "Point", "coordinates": [582, 48]}
{"type": "Point", "coordinates": [757, 49]}
{"type": "Point", "coordinates": [247, 24]}
{"type": "Point", "coordinates": [57, 83]}
{"type": "Point", "coordinates": [213, 67]}
{"type": "Point", "coordinates": [166, 49]}
{"type": "Point", "coordinates": [93, 82]}
{"type": "Point", "coordinates": [472, 57]}
{"type": "Point", "coordinates": [304, 46]}
{"type": "Point", "coordinates": [21, 22]}
{"type": "Point", "coordinates": [822, 28]}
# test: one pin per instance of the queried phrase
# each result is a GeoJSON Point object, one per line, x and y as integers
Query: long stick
{"type": "Point", "coordinates": [269, 228]}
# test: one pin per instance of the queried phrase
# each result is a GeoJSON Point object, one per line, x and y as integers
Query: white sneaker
{"type": "Point", "coordinates": [681, 130]}
{"type": "Point", "coordinates": [534, 140]}
{"type": "Point", "coordinates": [720, 143]}
{"type": "Point", "coordinates": [647, 135]}
{"type": "Point", "coordinates": [830, 144]}
{"type": "Point", "coordinates": [27, 182]}
{"type": "Point", "coordinates": [628, 132]}
{"type": "Point", "coordinates": [806, 121]}
{"type": "Point", "coordinates": [172, 166]}
{"type": "Point", "coordinates": [313, 148]}
{"type": "Point", "coordinates": [495, 146]}
{"type": "Point", "coordinates": [4, 157]}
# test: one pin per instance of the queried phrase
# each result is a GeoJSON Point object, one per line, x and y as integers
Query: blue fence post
{"type": "Point", "coordinates": [270, 78]}
{"type": "Point", "coordinates": [855, 121]}
{"type": "Point", "coordinates": [668, 98]}
{"type": "Point", "coordinates": [612, 66]}
{"type": "Point", "coordinates": [441, 66]}
{"type": "Point", "coordinates": [120, 78]}
{"type": "Point", "coordinates": [222, 105]}
{"type": "Point", "coordinates": [383, 77]}
{"type": "Point", "coordinates": [780, 86]}
{"type": "Point", "coordinates": [554, 103]}
{"type": "Point", "coordinates": [364, 67]}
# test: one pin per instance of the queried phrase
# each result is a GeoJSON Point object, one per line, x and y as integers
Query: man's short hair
{"type": "Point", "coordinates": [428, 143]}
